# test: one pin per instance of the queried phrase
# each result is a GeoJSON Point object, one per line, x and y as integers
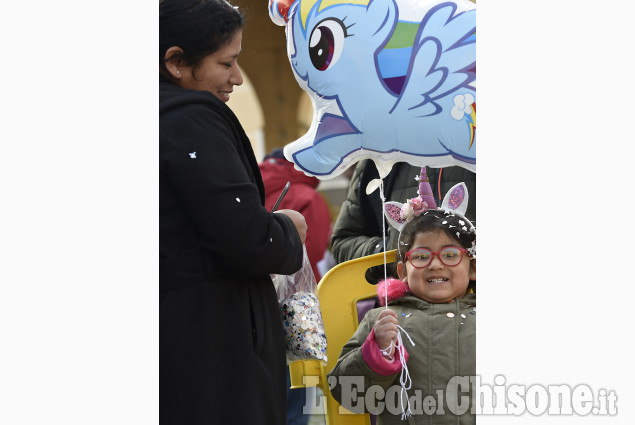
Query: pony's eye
{"type": "Point", "coordinates": [325, 45]}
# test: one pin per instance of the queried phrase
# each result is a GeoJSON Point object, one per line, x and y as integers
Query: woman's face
{"type": "Point", "coordinates": [217, 73]}
{"type": "Point", "coordinates": [437, 283]}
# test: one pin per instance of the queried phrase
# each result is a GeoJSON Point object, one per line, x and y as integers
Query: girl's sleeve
{"type": "Point", "coordinates": [204, 162]}
{"type": "Point", "coordinates": [352, 376]}
{"type": "Point", "coordinates": [371, 352]}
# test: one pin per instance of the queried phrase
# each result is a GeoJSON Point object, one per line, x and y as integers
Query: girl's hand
{"type": "Point", "coordinates": [386, 331]}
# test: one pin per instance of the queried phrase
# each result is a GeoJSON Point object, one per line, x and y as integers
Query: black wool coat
{"type": "Point", "coordinates": [222, 353]}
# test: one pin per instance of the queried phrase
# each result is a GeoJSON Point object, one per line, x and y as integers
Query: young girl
{"type": "Point", "coordinates": [425, 340]}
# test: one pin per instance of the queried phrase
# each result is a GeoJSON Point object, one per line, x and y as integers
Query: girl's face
{"type": "Point", "coordinates": [437, 283]}
{"type": "Point", "coordinates": [217, 73]}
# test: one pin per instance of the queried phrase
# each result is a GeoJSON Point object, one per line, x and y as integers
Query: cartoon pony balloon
{"type": "Point", "coordinates": [391, 80]}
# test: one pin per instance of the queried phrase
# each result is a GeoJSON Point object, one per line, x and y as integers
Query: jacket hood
{"type": "Point", "coordinates": [278, 171]}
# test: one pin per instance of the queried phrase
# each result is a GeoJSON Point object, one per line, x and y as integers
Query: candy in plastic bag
{"type": "Point", "coordinates": [301, 316]}
{"type": "Point", "coordinates": [304, 328]}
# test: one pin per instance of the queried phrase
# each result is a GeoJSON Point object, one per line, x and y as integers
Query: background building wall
{"type": "Point", "coordinates": [264, 60]}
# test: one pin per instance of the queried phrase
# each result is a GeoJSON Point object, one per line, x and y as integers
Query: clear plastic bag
{"type": "Point", "coordinates": [301, 316]}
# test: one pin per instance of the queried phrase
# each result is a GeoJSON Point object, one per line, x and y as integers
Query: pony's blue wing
{"type": "Point", "coordinates": [443, 60]}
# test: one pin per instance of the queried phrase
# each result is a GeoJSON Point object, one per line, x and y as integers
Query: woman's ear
{"type": "Point", "coordinates": [174, 61]}
{"type": "Point", "coordinates": [473, 269]}
{"type": "Point", "coordinates": [402, 271]}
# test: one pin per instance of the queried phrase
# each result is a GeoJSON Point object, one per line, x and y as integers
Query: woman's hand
{"type": "Point", "coordinates": [386, 331]}
{"type": "Point", "coordinates": [298, 221]}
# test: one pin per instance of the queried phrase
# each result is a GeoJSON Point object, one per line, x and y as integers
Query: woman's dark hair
{"type": "Point", "coordinates": [199, 27]}
{"type": "Point", "coordinates": [439, 220]}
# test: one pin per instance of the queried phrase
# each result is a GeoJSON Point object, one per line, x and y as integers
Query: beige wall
{"type": "Point", "coordinates": [247, 107]}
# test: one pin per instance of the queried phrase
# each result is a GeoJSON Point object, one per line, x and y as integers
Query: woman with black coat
{"type": "Point", "coordinates": [222, 353]}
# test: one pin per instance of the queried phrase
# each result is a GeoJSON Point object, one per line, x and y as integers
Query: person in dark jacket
{"type": "Point", "coordinates": [222, 350]}
{"type": "Point", "coordinates": [359, 228]}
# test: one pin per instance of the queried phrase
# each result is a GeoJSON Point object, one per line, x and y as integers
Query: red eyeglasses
{"type": "Point", "coordinates": [450, 256]}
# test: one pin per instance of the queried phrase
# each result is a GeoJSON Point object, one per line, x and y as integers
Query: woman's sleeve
{"type": "Point", "coordinates": [204, 162]}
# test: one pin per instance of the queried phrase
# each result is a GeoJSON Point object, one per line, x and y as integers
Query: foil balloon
{"type": "Point", "coordinates": [390, 80]}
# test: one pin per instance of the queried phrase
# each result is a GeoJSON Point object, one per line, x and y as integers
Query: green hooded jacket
{"type": "Point", "coordinates": [445, 347]}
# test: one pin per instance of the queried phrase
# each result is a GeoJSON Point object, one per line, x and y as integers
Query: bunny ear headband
{"type": "Point", "coordinates": [452, 211]}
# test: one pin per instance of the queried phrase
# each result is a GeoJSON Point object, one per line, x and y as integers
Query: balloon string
{"type": "Point", "coordinates": [383, 229]}
{"type": "Point", "coordinates": [439, 183]}
{"type": "Point", "coordinates": [404, 379]}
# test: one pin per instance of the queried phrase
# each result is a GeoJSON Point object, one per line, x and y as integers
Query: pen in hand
{"type": "Point", "coordinates": [284, 192]}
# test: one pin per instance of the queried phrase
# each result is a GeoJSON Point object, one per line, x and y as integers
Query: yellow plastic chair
{"type": "Point", "coordinates": [338, 291]}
